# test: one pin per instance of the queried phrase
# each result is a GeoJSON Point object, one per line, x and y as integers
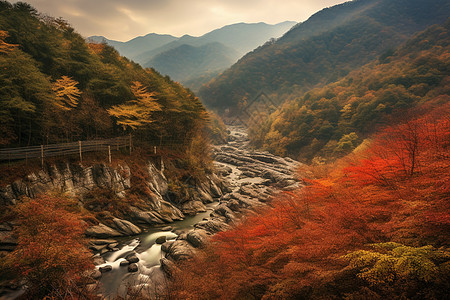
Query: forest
{"type": "Point", "coordinates": [322, 50]}
{"type": "Point", "coordinates": [331, 121]}
{"type": "Point", "coordinates": [372, 225]}
{"type": "Point", "coordinates": [62, 89]}
{"type": "Point", "coordinates": [364, 123]}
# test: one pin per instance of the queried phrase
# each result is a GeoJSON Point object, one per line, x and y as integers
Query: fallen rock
{"type": "Point", "coordinates": [102, 242]}
{"type": "Point", "coordinates": [161, 240]}
{"type": "Point", "coordinates": [98, 260]}
{"type": "Point", "coordinates": [165, 247]}
{"type": "Point", "coordinates": [113, 245]}
{"type": "Point", "coordinates": [212, 226]}
{"type": "Point", "coordinates": [105, 269]}
{"type": "Point", "coordinates": [97, 248]}
{"type": "Point", "coordinates": [223, 210]}
{"type": "Point", "coordinates": [132, 258]}
{"type": "Point", "coordinates": [197, 237]}
{"type": "Point", "coordinates": [168, 267]}
{"type": "Point", "coordinates": [180, 250]}
{"type": "Point", "coordinates": [145, 216]}
{"type": "Point", "coordinates": [233, 205]}
{"type": "Point", "coordinates": [101, 231]}
{"type": "Point", "coordinates": [193, 207]}
{"type": "Point", "coordinates": [133, 268]}
{"type": "Point", "coordinates": [96, 274]}
{"type": "Point", "coordinates": [126, 227]}
{"type": "Point", "coordinates": [124, 263]}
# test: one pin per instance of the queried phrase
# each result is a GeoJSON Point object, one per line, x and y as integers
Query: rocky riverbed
{"type": "Point", "coordinates": [138, 252]}
{"type": "Point", "coordinates": [249, 179]}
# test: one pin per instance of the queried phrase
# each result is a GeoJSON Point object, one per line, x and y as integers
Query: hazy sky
{"type": "Point", "coordinates": [126, 19]}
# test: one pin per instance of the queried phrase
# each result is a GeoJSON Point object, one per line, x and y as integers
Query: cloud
{"type": "Point", "coordinates": [123, 20]}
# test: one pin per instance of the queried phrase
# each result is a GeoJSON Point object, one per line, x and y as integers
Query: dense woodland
{"type": "Point", "coordinates": [40, 52]}
{"type": "Point", "coordinates": [56, 88]}
{"type": "Point", "coordinates": [371, 222]}
{"type": "Point", "coordinates": [374, 225]}
{"type": "Point", "coordinates": [323, 49]}
{"type": "Point", "coordinates": [332, 121]}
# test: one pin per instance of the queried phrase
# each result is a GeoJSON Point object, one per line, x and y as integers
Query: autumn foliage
{"type": "Point", "coordinates": [51, 254]}
{"type": "Point", "coordinates": [375, 226]}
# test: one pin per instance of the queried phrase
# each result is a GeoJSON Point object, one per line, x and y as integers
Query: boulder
{"type": "Point", "coordinates": [105, 269]}
{"type": "Point", "coordinates": [113, 246]}
{"type": "Point", "coordinates": [161, 240]}
{"type": "Point", "coordinates": [102, 242]}
{"type": "Point", "coordinates": [223, 210]}
{"type": "Point", "coordinates": [98, 260]}
{"type": "Point", "coordinates": [233, 205]}
{"type": "Point", "coordinates": [124, 263]}
{"type": "Point", "coordinates": [212, 226]}
{"type": "Point", "coordinates": [193, 207]}
{"type": "Point", "coordinates": [126, 227]}
{"type": "Point", "coordinates": [168, 267]}
{"type": "Point", "coordinates": [133, 268]}
{"type": "Point", "coordinates": [97, 248]}
{"type": "Point", "coordinates": [145, 216]}
{"type": "Point", "coordinates": [180, 250]}
{"type": "Point", "coordinates": [197, 237]}
{"type": "Point", "coordinates": [101, 231]}
{"type": "Point", "coordinates": [96, 274]}
{"type": "Point", "coordinates": [132, 258]}
{"type": "Point", "coordinates": [165, 247]}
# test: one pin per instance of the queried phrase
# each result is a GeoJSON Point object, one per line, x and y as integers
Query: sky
{"type": "Point", "coordinates": [123, 20]}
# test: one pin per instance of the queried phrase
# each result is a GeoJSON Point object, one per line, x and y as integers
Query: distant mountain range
{"type": "Point", "coordinates": [323, 49]}
{"type": "Point", "coordinates": [194, 60]}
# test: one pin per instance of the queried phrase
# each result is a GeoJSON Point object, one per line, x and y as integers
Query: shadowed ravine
{"type": "Point", "coordinates": [251, 177]}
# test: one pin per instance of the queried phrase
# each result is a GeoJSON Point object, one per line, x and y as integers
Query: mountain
{"type": "Point", "coordinates": [331, 121]}
{"type": "Point", "coordinates": [323, 49]}
{"type": "Point", "coordinates": [242, 37]}
{"type": "Point", "coordinates": [134, 47]}
{"type": "Point", "coordinates": [226, 46]}
{"type": "Point", "coordinates": [188, 62]}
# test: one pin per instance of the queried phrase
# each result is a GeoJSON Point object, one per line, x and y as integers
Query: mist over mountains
{"type": "Point", "coordinates": [179, 57]}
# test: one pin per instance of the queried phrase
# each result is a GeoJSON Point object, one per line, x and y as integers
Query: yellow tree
{"type": "Point", "coordinates": [67, 93]}
{"type": "Point", "coordinates": [4, 46]}
{"type": "Point", "coordinates": [137, 112]}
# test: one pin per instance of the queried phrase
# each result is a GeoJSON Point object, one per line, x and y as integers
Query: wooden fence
{"type": "Point", "coordinates": [76, 148]}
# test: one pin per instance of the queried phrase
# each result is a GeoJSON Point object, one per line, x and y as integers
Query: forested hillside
{"type": "Point", "coordinates": [323, 49]}
{"type": "Point", "coordinates": [333, 120]}
{"type": "Point", "coordinates": [57, 88]}
{"type": "Point", "coordinates": [372, 226]}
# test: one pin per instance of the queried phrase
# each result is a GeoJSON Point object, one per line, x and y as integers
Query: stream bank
{"type": "Point", "coordinates": [143, 264]}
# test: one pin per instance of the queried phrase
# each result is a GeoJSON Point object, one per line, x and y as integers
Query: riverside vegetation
{"type": "Point", "coordinates": [57, 88]}
{"type": "Point", "coordinates": [367, 219]}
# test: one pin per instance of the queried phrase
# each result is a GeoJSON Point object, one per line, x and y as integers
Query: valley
{"type": "Point", "coordinates": [250, 180]}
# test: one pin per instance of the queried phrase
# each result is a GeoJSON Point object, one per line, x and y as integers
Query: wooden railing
{"type": "Point", "coordinates": [75, 148]}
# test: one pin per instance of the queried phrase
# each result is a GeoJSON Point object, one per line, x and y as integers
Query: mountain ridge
{"type": "Point", "coordinates": [322, 49]}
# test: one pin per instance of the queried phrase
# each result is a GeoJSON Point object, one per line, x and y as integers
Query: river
{"type": "Point", "coordinates": [252, 178]}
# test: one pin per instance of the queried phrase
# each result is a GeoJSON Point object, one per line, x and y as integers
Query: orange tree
{"type": "Point", "coordinates": [51, 253]}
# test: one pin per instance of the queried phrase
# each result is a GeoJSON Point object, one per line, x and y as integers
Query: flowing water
{"type": "Point", "coordinates": [150, 278]}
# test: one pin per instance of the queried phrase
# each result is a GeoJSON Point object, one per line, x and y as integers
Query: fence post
{"type": "Point", "coordinates": [42, 156]}
{"type": "Point", "coordinates": [79, 147]}
{"type": "Point", "coordinates": [109, 153]}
